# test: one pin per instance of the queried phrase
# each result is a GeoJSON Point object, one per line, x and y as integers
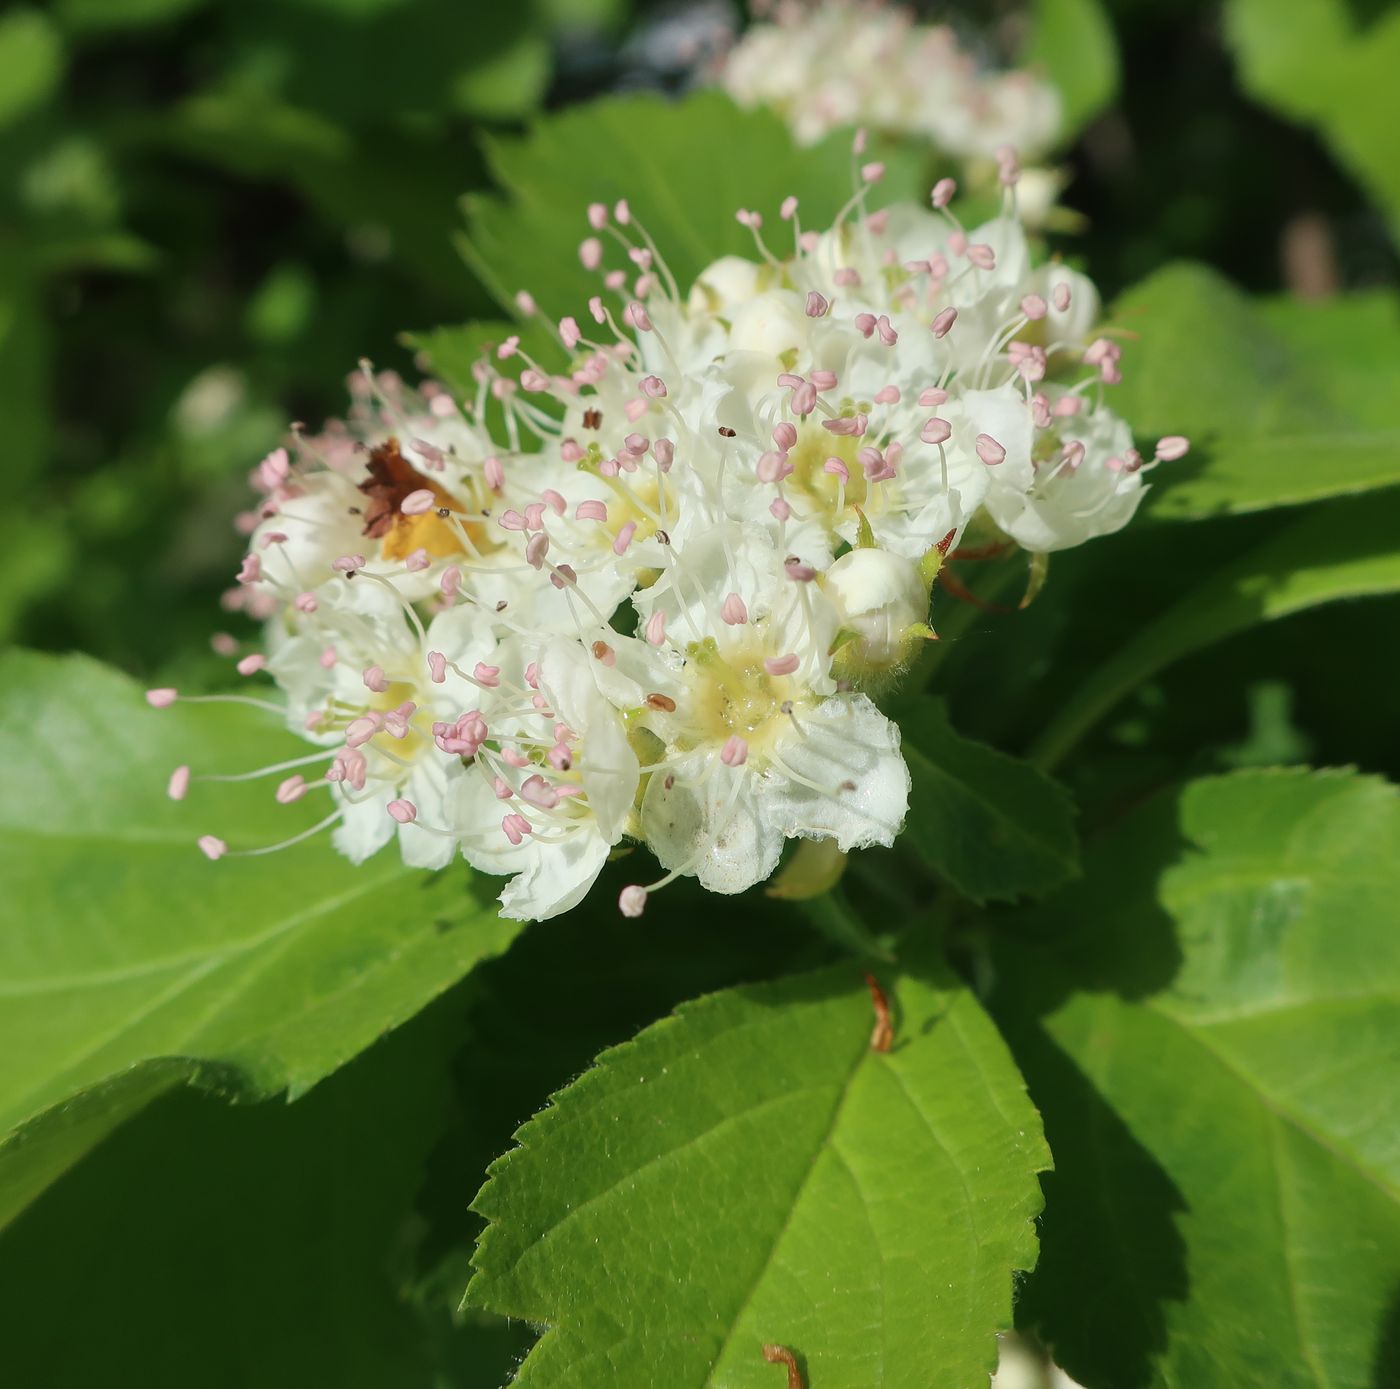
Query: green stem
{"type": "Point", "coordinates": [837, 920]}
{"type": "Point", "coordinates": [1342, 550]}
{"type": "Point", "coordinates": [995, 581]}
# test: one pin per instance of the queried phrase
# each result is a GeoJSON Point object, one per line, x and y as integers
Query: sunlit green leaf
{"type": "Point", "coordinates": [1283, 404]}
{"type": "Point", "coordinates": [449, 353]}
{"type": "Point", "coordinates": [1218, 1036]}
{"type": "Point", "coordinates": [125, 949]}
{"type": "Point", "coordinates": [751, 1172]}
{"type": "Point", "coordinates": [685, 167]}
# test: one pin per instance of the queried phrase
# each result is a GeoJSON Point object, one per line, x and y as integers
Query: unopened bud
{"type": "Point", "coordinates": [882, 605]}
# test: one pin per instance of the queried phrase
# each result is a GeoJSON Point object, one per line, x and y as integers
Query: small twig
{"type": "Point", "coordinates": [993, 551]}
{"type": "Point", "coordinates": [955, 588]}
{"type": "Point", "coordinates": [781, 1355]}
{"type": "Point", "coordinates": [882, 1038]}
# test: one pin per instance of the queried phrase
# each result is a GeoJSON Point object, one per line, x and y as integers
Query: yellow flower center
{"type": "Point", "coordinates": [733, 693]}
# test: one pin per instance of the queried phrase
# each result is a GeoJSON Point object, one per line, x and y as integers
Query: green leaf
{"type": "Point", "coordinates": [38, 551]}
{"type": "Point", "coordinates": [1328, 70]}
{"type": "Point", "coordinates": [256, 1243]}
{"type": "Point", "coordinates": [864, 1209]}
{"type": "Point", "coordinates": [449, 353]}
{"type": "Point", "coordinates": [358, 62]}
{"type": "Point", "coordinates": [685, 167]}
{"type": "Point", "coordinates": [129, 963]}
{"type": "Point", "coordinates": [992, 825]}
{"type": "Point", "coordinates": [567, 988]}
{"type": "Point", "coordinates": [830, 911]}
{"type": "Point", "coordinates": [1346, 345]}
{"type": "Point", "coordinates": [31, 62]}
{"type": "Point", "coordinates": [1218, 1037]}
{"type": "Point", "coordinates": [1073, 41]}
{"type": "Point", "coordinates": [1275, 399]}
{"type": "Point", "coordinates": [283, 304]}
{"type": "Point", "coordinates": [507, 84]}
{"type": "Point", "coordinates": [1342, 549]}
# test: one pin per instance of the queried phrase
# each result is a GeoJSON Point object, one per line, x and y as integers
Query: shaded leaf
{"type": "Point", "coordinates": [396, 192]}
{"type": "Point", "coordinates": [258, 1243]}
{"type": "Point", "coordinates": [510, 83]}
{"type": "Point", "coordinates": [1342, 549]}
{"type": "Point", "coordinates": [865, 1209]}
{"type": "Point", "coordinates": [125, 949]}
{"type": "Point", "coordinates": [26, 368]}
{"type": "Point", "coordinates": [992, 825]}
{"type": "Point", "coordinates": [1219, 1032]}
{"type": "Point", "coordinates": [85, 16]}
{"type": "Point", "coordinates": [353, 61]}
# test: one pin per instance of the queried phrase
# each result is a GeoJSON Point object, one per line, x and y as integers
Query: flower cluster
{"type": "Point", "coordinates": [845, 63]}
{"type": "Point", "coordinates": [652, 601]}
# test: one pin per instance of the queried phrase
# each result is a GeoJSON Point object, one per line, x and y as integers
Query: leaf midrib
{"type": "Point", "coordinates": [1275, 1107]}
{"type": "Point", "coordinates": [218, 954]}
{"type": "Point", "coordinates": [843, 1096]}
{"type": "Point", "coordinates": [1306, 1351]}
{"type": "Point", "coordinates": [24, 1103]}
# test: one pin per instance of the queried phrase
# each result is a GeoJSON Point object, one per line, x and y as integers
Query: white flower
{"type": "Point", "coordinates": [360, 686]}
{"type": "Point", "coordinates": [881, 601]}
{"type": "Point", "coordinates": [552, 776]}
{"type": "Point", "coordinates": [884, 374]}
{"type": "Point", "coordinates": [1021, 1365]}
{"type": "Point", "coordinates": [752, 741]}
{"type": "Point", "coordinates": [839, 63]}
{"type": "Point", "coordinates": [771, 466]}
{"type": "Point", "coordinates": [432, 507]}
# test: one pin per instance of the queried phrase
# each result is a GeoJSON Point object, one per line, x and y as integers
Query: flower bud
{"type": "Point", "coordinates": [725, 285]}
{"type": "Point", "coordinates": [882, 605]}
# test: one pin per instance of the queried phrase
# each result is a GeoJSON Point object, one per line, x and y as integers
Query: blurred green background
{"type": "Point", "coordinates": [210, 210]}
{"type": "Point", "coordinates": [208, 213]}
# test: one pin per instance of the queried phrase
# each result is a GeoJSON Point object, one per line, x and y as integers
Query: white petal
{"type": "Point", "coordinates": [610, 774]}
{"type": "Point", "coordinates": [848, 740]}
{"type": "Point", "coordinates": [319, 526]}
{"type": "Point", "coordinates": [365, 827]}
{"type": "Point", "coordinates": [555, 878]}
{"type": "Point", "coordinates": [1003, 414]}
{"type": "Point", "coordinates": [720, 837]}
{"type": "Point", "coordinates": [426, 788]}
{"type": "Point", "coordinates": [580, 688]}
{"type": "Point", "coordinates": [461, 635]}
